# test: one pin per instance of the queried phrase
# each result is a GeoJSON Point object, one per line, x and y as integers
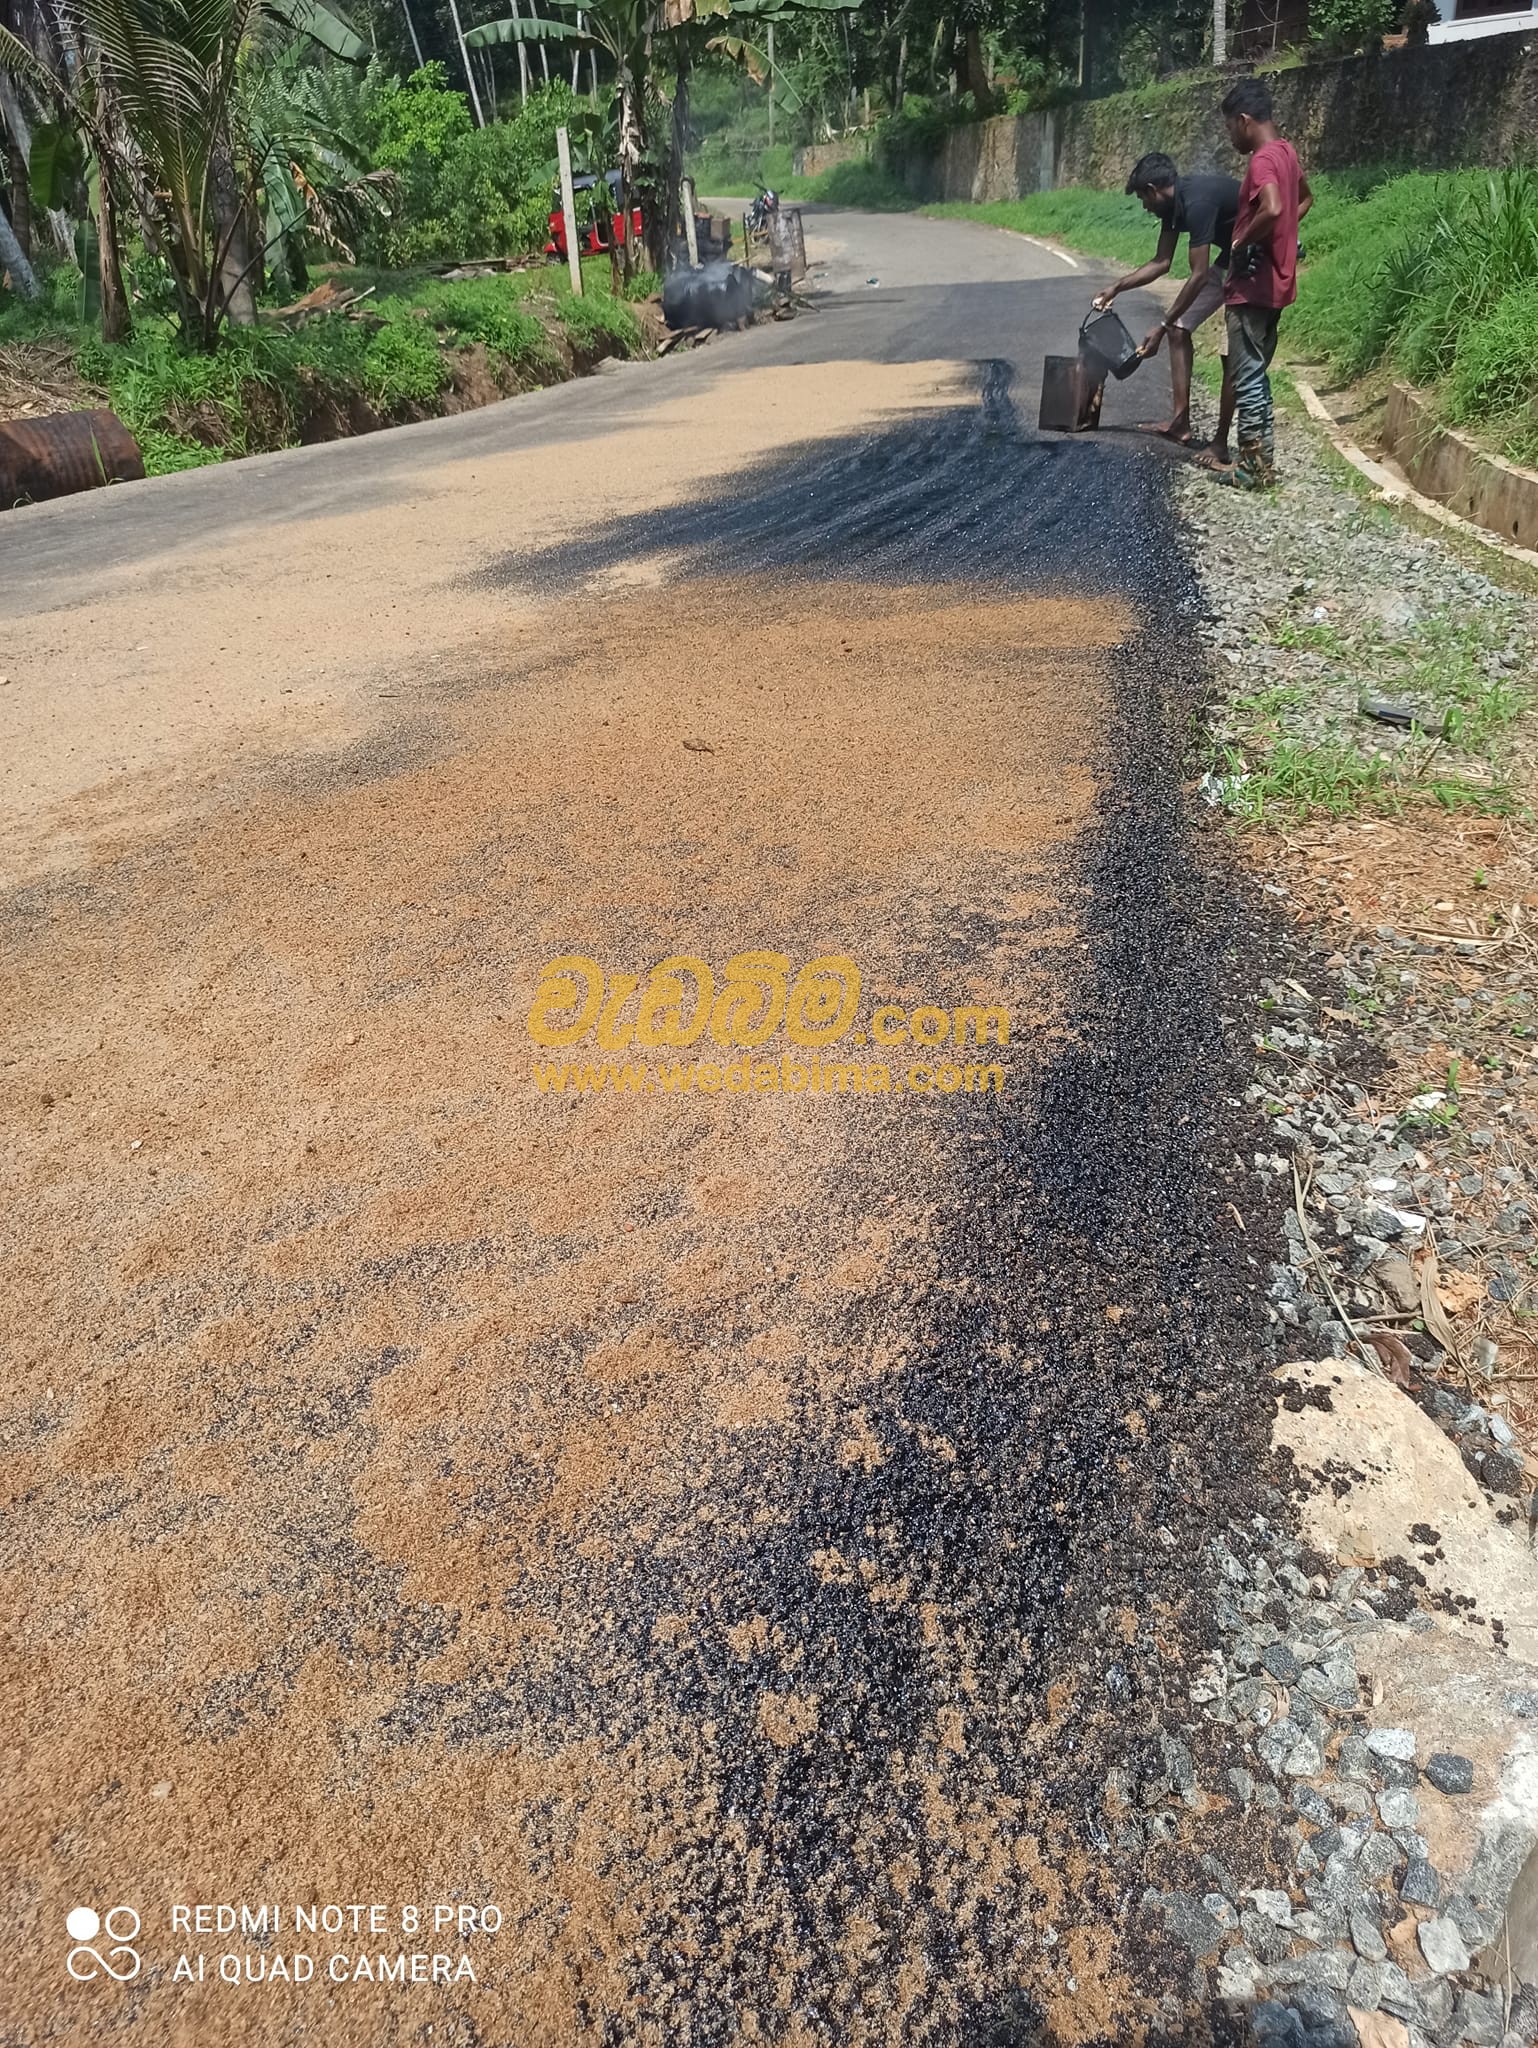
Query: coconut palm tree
{"type": "Point", "coordinates": [150, 85]}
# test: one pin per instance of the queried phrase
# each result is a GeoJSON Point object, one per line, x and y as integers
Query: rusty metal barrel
{"type": "Point", "coordinates": [64, 452]}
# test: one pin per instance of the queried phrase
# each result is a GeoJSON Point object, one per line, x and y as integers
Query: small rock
{"type": "Point", "coordinates": [1379, 1859]}
{"type": "Point", "coordinates": [1283, 1666]}
{"type": "Point", "coordinates": [1398, 1809]}
{"type": "Point", "coordinates": [1398, 1993]}
{"type": "Point", "coordinates": [1349, 1799]}
{"type": "Point", "coordinates": [1327, 1968]}
{"type": "Point", "coordinates": [1238, 1975]}
{"type": "Point", "coordinates": [1274, 1906]}
{"type": "Point", "coordinates": [1420, 1885]}
{"type": "Point", "coordinates": [1480, 2019]}
{"type": "Point", "coordinates": [1366, 1934]}
{"type": "Point", "coordinates": [1364, 1987]}
{"type": "Point", "coordinates": [1394, 1742]}
{"type": "Point", "coordinates": [1442, 1946]}
{"type": "Point", "coordinates": [1392, 1774]}
{"type": "Point", "coordinates": [1449, 1772]}
{"type": "Point", "coordinates": [1436, 1999]}
{"type": "Point", "coordinates": [1396, 1276]}
{"type": "Point", "coordinates": [1312, 1805]}
{"type": "Point", "coordinates": [1193, 1926]}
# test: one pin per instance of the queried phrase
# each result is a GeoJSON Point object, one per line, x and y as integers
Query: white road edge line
{"type": "Point", "coordinates": [1394, 490]}
{"type": "Point", "coordinates": [1061, 254]}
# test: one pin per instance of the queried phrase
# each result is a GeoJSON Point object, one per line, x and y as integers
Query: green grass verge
{"type": "Point", "coordinates": [270, 386]}
{"type": "Point", "coordinates": [1100, 223]}
{"type": "Point", "coordinates": [1267, 772]}
{"type": "Point", "coordinates": [861, 183]}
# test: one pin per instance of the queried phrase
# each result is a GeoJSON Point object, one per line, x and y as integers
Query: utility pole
{"type": "Point", "coordinates": [569, 211]}
{"type": "Point", "coordinates": [771, 85]}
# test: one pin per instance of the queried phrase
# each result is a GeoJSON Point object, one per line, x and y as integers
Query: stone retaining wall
{"type": "Point", "coordinates": [1437, 108]}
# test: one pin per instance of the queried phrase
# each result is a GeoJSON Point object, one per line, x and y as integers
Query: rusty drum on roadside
{"type": "Point", "coordinates": [787, 243]}
{"type": "Point", "coordinates": [64, 452]}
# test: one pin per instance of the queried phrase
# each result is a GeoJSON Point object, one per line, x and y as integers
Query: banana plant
{"type": "Point", "coordinates": [305, 160]}
{"type": "Point", "coordinates": [623, 30]}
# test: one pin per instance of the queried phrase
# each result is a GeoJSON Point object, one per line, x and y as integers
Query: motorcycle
{"type": "Point", "coordinates": [760, 214]}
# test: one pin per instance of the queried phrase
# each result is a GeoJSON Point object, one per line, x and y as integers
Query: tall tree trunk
{"type": "Point", "coordinates": [972, 69]}
{"type": "Point", "coordinates": [899, 80]}
{"type": "Point", "coordinates": [464, 58]}
{"type": "Point", "coordinates": [237, 260]}
{"type": "Point", "coordinates": [523, 61]}
{"type": "Point", "coordinates": [631, 144]}
{"type": "Point", "coordinates": [411, 27]}
{"type": "Point", "coordinates": [115, 319]}
{"type": "Point", "coordinates": [21, 197]}
{"type": "Point", "coordinates": [13, 259]}
{"type": "Point", "coordinates": [679, 137]}
{"type": "Point", "coordinates": [13, 124]}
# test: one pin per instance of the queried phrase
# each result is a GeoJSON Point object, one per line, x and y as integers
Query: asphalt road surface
{"type": "Point", "coordinates": [676, 1520]}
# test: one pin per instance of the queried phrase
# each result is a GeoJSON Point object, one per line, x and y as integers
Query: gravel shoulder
{"type": "Point", "coordinates": [1369, 762]}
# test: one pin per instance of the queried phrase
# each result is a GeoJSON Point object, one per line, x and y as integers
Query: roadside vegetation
{"type": "Point", "coordinates": [416, 347]}
{"type": "Point", "coordinates": [224, 220]}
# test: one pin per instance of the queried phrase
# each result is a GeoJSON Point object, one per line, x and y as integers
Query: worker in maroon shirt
{"type": "Point", "coordinates": [1262, 275]}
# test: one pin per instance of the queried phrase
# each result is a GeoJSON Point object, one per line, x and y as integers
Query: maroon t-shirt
{"type": "Point", "coordinates": [1274, 280]}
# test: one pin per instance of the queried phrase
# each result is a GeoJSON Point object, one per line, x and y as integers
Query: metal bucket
{"type": "Point", "coordinates": [1109, 343]}
{"type": "Point", "coordinates": [1071, 390]}
{"type": "Point", "coordinates": [64, 452]}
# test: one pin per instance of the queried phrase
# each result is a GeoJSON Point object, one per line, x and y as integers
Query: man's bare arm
{"type": "Point", "coordinates": [1305, 195]}
{"type": "Point", "coordinates": [1163, 257]}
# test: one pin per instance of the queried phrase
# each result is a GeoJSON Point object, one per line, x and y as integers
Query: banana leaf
{"type": "Point", "coordinates": [530, 29]}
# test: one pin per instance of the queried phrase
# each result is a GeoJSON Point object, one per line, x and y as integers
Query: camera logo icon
{"type": "Point", "coordinates": [115, 1958]}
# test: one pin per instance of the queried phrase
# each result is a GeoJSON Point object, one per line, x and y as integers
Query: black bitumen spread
{"type": "Point", "coordinates": [1106, 1184]}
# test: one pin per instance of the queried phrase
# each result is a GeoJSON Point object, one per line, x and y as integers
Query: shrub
{"type": "Point", "coordinates": [403, 365]}
{"type": "Point", "coordinates": [860, 182]}
{"type": "Point", "coordinates": [1345, 26]}
{"type": "Point", "coordinates": [598, 325]}
{"type": "Point", "coordinates": [464, 191]}
{"type": "Point", "coordinates": [1413, 272]}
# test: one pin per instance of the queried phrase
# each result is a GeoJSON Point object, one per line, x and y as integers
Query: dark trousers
{"type": "Point", "coordinates": [1251, 345]}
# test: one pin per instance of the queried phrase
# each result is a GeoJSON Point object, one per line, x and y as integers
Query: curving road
{"type": "Point", "coordinates": [676, 1522]}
